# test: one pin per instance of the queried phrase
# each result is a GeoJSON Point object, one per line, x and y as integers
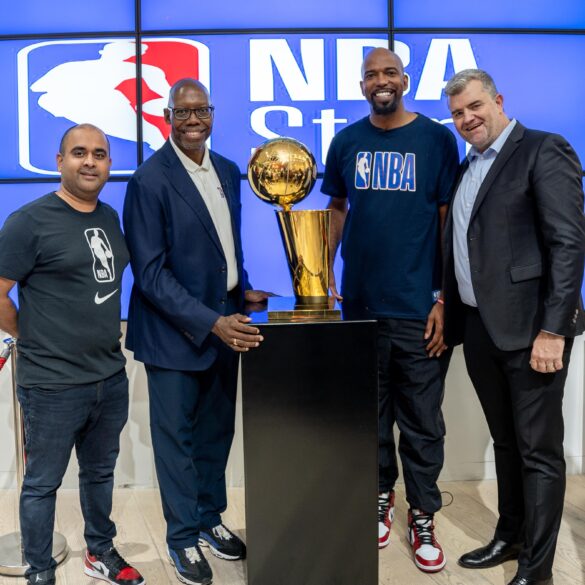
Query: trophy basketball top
{"type": "Point", "coordinates": [282, 171]}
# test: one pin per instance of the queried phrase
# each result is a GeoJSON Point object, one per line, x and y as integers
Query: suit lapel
{"type": "Point", "coordinates": [501, 159]}
{"type": "Point", "coordinates": [225, 179]}
{"type": "Point", "coordinates": [448, 230]}
{"type": "Point", "coordinates": [179, 178]}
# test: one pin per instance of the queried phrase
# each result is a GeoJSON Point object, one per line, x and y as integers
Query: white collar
{"type": "Point", "coordinates": [190, 165]}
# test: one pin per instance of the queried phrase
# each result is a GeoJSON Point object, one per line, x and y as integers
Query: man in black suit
{"type": "Point", "coordinates": [514, 253]}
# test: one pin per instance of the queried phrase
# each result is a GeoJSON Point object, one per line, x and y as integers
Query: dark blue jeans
{"type": "Point", "coordinates": [89, 417]}
{"type": "Point", "coordinates": [411, 387]}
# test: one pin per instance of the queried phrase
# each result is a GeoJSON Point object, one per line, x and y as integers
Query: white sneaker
{"type": "Point", "coordinates": [428, 554]}
{"type": "Point", "coordinates": [385, 517]}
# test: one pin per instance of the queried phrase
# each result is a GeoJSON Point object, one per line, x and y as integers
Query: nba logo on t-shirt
{"type": "Point", "coordinates": [363, 166]}
{"type": "Point", "coordinates": [103, 257]}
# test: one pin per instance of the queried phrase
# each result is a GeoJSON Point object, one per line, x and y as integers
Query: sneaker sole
{"type": "Point", "coordinates": [184, 579]}
{"type": "Point", "coordinates": [430, 569]}
{"type": "Point", "coordinates": [216, 553]}
{"type": "Point", "coordinates": [97, 575]}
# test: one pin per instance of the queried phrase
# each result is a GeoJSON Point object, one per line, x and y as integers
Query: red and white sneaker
{"type": "Point", "coordinates": [428, 554]}
{"type": "Point", "coordinates": [385, 517]}
{"type": "Point", "coordinates": [111, 567]}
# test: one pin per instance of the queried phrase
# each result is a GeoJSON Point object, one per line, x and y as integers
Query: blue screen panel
{"type": "Point", "coordinates": [14, 196]}
{"type": "Point", "coordinates": [512, 62]}
{"type": "Point", "coordinates": [304, 86]}
{"type": "Point", "coordinates": [563, 14]}
{"type": "Point", "coordinates": [254, 14]}
{"type": "Point", "coordinates": [54, 84]}
{"type": "Point", "coordinates": [67, 16]}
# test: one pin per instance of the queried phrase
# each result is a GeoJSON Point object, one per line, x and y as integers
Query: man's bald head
{"type": "Point", "coordinates": [382, 53]}
{"type": "Point", "coordinates": [63, 143]}
{"type": "Point", "coordinates": [183, 85]}
{"type": "Point", "coordinates": [190, 116]}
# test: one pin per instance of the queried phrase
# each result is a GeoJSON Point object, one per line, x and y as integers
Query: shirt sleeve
{"type": "Point", "coordinates": [18, 249]}
{"type": "Point", "coordinates": [333, 183]}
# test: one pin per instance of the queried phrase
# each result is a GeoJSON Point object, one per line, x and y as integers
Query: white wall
{"type": "Point", "coordinates": [468, 447]}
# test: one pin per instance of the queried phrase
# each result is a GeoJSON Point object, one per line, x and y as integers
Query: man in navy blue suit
{"type": "Point", "coordinates": [182, 224]}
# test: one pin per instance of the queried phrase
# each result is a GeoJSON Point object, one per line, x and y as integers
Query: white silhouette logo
{"type": "Point", "coordinates": [103, 257]}
{"type": "Point", "coordinates": [362, 170]}
{"type": "Point", "coordinates": [85, 91]}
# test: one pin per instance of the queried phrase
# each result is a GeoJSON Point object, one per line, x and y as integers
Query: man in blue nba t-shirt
{"type": "Point", "coordinates": [390, 177]}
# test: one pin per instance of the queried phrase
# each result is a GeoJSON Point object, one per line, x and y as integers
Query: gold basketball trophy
{"type": "Point", "coordinates": [282, 171]}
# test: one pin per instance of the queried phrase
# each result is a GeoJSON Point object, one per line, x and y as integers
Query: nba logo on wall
{"type": "Point", "coordinates": [66, 82]}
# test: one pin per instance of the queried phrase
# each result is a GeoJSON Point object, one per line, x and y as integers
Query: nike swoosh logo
{"type": "Point", "coordinates": [99, 300]}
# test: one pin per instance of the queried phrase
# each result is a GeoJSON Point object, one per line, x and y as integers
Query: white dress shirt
{"type": "Point", "coordinates": [207, 182]}
{"type": "Point", "coordinates": [479, 165]}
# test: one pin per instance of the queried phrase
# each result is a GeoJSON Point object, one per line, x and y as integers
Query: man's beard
{"type": "Point", "coordinates": [385, 109]}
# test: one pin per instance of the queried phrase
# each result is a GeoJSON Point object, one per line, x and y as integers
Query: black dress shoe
{"type": "Point", "coordinates": [517, 580]}
{"type": "Point", "coordinates": [492, 554]}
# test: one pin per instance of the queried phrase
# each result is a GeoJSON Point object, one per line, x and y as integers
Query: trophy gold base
{"type": "Point", "coordinates": [12, 562]}
{"type": "Point", "coordinates": [303, 309]}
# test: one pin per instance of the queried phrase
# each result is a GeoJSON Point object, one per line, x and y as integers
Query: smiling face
{"type": "Point", "coordinates": [478, 117]}
{"type": "Point", "coordinates": [383, 82]}
{"type": "Point", "coordinates": [84, 163]}
{"type": "Point", "coordinates": [189, 135]}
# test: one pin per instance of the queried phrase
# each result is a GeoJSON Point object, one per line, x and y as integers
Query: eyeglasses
{"type": "Point", "coordinates": [185, 113]}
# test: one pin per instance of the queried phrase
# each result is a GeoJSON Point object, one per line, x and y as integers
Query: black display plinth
{"type": "Point", "coordinates": [310, 407]}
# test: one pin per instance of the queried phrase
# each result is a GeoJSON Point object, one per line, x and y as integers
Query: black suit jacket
{"type": "Point", "coordinates": [180, 271]}
{"type": "Point", "coordinates": [526, 241]}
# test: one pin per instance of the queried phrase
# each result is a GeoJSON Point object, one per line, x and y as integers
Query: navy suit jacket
{"type": "Point", "coordinates": [526, 243]}
{"type": "Point", "coordinates": [180, 271]}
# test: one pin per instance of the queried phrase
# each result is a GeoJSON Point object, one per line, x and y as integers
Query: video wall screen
{"type": "Point", "coordinates": [39, 17]}
{"type": "Point", "coordinates": [519, 14]}
{"type": "Point", "coordinates": [302, 82]}
{"type": "Point", "coordinates": [257, 14]}
{"type": "Point", "coordinates": [299, 85]}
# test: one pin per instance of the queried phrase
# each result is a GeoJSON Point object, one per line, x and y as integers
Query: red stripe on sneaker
{"type": "Point", "coordinates": [128, 573]}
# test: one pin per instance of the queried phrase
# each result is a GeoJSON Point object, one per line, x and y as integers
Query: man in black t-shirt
{"type": "Point", "coordinates": [390, 178]}
{"type": "Point", "coordinates": [67, 253]}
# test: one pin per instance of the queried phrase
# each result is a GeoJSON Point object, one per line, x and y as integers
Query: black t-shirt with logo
{"type": "Point", "coordinates": [68, 265]}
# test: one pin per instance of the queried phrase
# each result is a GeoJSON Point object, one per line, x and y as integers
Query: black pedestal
{"type": "Point", "coordinates": [310, 446]}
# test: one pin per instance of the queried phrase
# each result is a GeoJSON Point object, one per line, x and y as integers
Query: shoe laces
{"type": "Point", "coordinates": [113, 560]}
{"type": "Point", "coordinates": [383, 504]}
{"type": "Point", "coordinates": [423, 525]}
{"type": "Point", "coordinates": [222, 532]}
{"type": "Point", "coordinates": [193, 554]}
